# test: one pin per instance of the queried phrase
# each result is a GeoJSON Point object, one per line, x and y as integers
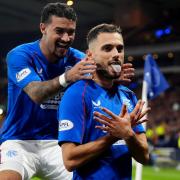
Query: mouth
{"type": "Point", "coordinates": [116, 66]}
{"type": "Point", "coordinates": [62, 45]}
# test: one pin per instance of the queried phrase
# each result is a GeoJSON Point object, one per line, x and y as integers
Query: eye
{"type": "Point", "coordinates": [60, 31]}
{"type": "Point", "coordinates": [107, 48]}
{"type": "Point", "coordinates": [120, 48]}
{"type": "Point", "coordinates": [70, 32]}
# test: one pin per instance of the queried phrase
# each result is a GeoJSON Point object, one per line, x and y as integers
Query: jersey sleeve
{"type": "Point", "coordinates": [71, 116]}
{"type": "Point", "coordinates": [20, 69]}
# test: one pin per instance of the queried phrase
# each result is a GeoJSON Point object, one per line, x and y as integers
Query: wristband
{"type": "Point", "coordinates": [62, 80]}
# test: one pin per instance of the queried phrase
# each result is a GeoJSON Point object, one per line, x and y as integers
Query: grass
{"type": "Point", "coordinates": [150, 173]}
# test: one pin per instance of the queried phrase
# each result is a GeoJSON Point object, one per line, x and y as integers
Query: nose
{"type": "Point", "coordinates": [65, 37]}
{"type": "Point", "coordinates": [116, 53]}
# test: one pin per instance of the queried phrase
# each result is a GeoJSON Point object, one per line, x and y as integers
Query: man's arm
{"type": "Point", "coordinates": [121, 127]}
{"type": "Point", "coordinates": [74, 156]}
{"type": "Point", "coordinates": [138, 146]}
{"type": "Point", "coordinates": [39, 91]}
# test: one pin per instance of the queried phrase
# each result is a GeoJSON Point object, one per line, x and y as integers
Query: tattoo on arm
{"type": "Point", "coordinates": [39, 91]}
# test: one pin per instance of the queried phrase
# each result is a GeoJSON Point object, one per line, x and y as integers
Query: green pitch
{"type": "Point", "coordinates": [150, 173]}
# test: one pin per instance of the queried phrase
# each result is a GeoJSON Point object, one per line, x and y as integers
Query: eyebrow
{"type": "Point", "coordinates": [106, 45]}
{"type": "Point", "coordinates": [64, 29]}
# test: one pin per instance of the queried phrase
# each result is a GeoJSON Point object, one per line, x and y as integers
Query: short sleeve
{"type": "Point", "coordinates": [71, 116]}
{"type": "Point", "coordinates": [20, 69]}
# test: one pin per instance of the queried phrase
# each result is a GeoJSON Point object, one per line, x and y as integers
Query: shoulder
{"type": "Point", "coordinates": [21, 52]}
{"type": "Point", "coordinates": [128, 93]}
{"type": "Point", "coordinates": [125, 89]}
{"type": "Point", "coordinates": [76, 53]}
{"type": "Point", "coordinates": [79, 88]}
{"type": "Point", "coordinates": [23, 49]}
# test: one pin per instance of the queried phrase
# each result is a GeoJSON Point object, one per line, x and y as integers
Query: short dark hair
{"type": "Point", "coordinates": [102, 28]}
{"type": "Point", "coordinates": [57, 9]}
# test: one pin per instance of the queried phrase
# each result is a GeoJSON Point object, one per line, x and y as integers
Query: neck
{"type": "Point", "coordinates": [103, 81]}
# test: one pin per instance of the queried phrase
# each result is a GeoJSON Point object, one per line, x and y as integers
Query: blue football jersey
{"type": "Point", "coordinates": [76, 124]}
{"type": "Point", "coordinates": [25, 119]}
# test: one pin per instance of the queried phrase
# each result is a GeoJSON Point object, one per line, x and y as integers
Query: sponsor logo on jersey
{"type": "Point", "coordinates": [22, 74]}
{"type": "Point", "coordinates": [65, 125]}
{"type": "Point", "coordinates": [53, 102]}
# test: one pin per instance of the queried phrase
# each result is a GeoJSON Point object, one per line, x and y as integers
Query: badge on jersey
{"type": "Point", "coordinates": [22, 74]}
{"type": "Point", "coordinates": [65, 125]}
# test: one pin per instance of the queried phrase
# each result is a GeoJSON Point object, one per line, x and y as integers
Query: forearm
{"type": "Point", "coordinates": [138, 147]}
{"type": "Point", "coordinates": [75, 156]}
{"type": "Point", "coordinates": [39, 91]}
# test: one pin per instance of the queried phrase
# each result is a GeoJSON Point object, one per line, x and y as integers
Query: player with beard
{"type": "Point", "coordinates": [92, 150]}
{"type": "Point", "coordinates": [37, 77]}
{"type": "Point", "coordinates": [38, 73]}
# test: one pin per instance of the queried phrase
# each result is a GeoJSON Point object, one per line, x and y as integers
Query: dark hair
{"type": "Point", "coordinates": [102, 28]}
{"type": "Point", "coordinates": [57, 9]}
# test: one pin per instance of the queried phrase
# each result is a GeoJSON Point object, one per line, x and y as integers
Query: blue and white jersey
{"type": "Point", "coordinates": [25, 119]}
{"type": "Point", "coordinates": [76, 124]}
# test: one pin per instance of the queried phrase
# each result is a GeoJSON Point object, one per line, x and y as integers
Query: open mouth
{"type": "Point", "coordinates": [116, 66]}
{"type": "Point", "coordinates": [61, 45]}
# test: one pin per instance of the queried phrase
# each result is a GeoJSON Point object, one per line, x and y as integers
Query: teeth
{"type": "Point", "coordinates": [116, 68]}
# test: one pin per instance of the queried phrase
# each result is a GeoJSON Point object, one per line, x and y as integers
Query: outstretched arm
{"type": "Point", "coordinates": [74, 156]}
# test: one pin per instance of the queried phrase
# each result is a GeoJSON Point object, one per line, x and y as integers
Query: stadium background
{"type": "Point", "coordinates": [148, 27]}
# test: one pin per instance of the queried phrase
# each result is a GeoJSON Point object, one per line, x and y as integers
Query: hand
{"type": "Point", "coordinates": [138, 114]}
{"type": "Point", "coordinates": [127, 74]}
{"type": "Point", "coordinates": [117, 126]}
{"type": "Point", "coordinates": [80, 70]}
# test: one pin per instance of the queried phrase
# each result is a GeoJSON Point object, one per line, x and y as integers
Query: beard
{"type": "Point", "coordinates": [61, 48]}
{"type": "Point", "coordinates": [104, 72]}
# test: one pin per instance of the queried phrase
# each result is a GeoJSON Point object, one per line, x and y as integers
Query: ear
{"type": "Point", "coordinates": [88, 53]}
{"type": "Point", "coordinates": [42, 27]}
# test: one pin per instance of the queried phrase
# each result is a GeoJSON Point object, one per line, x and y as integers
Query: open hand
{"type": "Point", "coordinates": [127, 74]}
{"type": "Point", "coordinates": [82, 70]}
{"type": "Point", "coordinates": [121, 125]}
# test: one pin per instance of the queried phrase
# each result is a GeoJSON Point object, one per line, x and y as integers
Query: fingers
{"type": "Point", "coordinates": [128, 70]}
{"type": "Point", "coordinates": [102, 121]}
{"type": "Point", "coordinates": [129, 73]}
{"type": "Point", "coordinates": [140, 122]}
{"type": "Point", "coordinates": [123, 110]}
{"type": "Point", "coordinates": [145, 112]}
{"type": "Point", "coordinates": [86, 62]}
{"type": "Point", "coordinates": [111, 114]}
{"type": "Point", "coordinates": [127, 65]}
{"type": "Point", "coordinates": [137, 114]}
{"type": "Point", "coordinates": [86, 67]}
{"type": "Point", "coordinates": [137, 110]}
{"type": "Point", "coordinates": [99, 116]}
{"type": "Point", "coordinates": [103, 128]}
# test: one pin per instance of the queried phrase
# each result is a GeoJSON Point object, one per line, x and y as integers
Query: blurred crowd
{"type": "Point", "coordinates": [163, 127]}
